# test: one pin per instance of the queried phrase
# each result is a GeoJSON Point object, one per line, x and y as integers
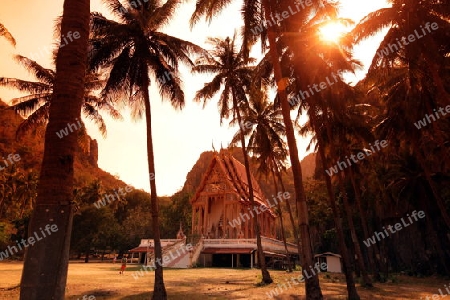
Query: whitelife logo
{"type": "Point", "coordinates": [299, 5]}
{"type": "Point", "coordinates": [65, 40]}
{"type": "Point", "coordinates": [427, 120]}
{"type": "Point", "coordinates": [165, 260]}
{"type": "Point", "coordinates": [65, 132]}
{"type": "Point", "coordinates": [301, 278]}
{"type": "Point", "coordinates": [31, 241]}
{"type": "Point", "coordinates": [398, 226]}
{"type": "Point", "coordinates": [12, 158]}
{"type": "Point", "coordinates": [87, 297]}
{"type": "Point", "coordinates": [360, 156]}
{"type": "Point", "coordinates": [411, 38]}
{"type": "Point", "coordinates": [315, 87]}
{"type": "Point", "coordinates": [436, 296]}
{"type": "Point", "coordinates": [110, 197]}
{"type": "Point", "coordinates": [258, 209]}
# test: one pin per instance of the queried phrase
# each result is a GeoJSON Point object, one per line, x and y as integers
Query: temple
{"type": "Point", "coordinates": [221, 206]}
{"type": "Point", "coordinates": [223, 221]}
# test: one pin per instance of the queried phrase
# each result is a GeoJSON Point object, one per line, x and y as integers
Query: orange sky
{"type": "Point", "coordinates": [179, 137]}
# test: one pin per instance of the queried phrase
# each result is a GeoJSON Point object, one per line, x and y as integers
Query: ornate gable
{"type": "Point", "coordinates": [216, 181]}
{"type": "Point", "coordinates": [223, 197]}
{"type": "Point", "coordinates": [225, 174]}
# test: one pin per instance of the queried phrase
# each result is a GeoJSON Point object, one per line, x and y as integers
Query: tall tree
{"type": "Point", "coordinates": [49, 258]}
{"type": "Point", "coordinates": [263, 126]}
{"type": "Point", "coordinates": [310, 61]}
{"type": "Point", "coordinates": [415, 72]}
{"type": "Point", "coordinates": [256, 14]}
{"type": "Point", "coordinates": [313, 63]}
{"type": "Point", "coordinates": [233, 73]}
{"type": "Point", "coordinates": [134, 51]}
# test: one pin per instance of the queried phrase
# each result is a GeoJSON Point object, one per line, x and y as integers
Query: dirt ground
{"type": "Point", "coordinates": [103, 281]}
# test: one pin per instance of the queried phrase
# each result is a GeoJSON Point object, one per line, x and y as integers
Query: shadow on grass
{"type": "Point", "coordinates": [176, 296]}
{"type": "Point", "coordinates": [141, 296]}
{"type": "Point", "coordinates": [218, 295]}
{"type": "Point", "coordinates": [98, 293]}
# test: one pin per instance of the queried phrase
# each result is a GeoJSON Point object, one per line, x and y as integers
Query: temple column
{"type": "Point", "coordinates": [225, 224]}
{"type": "Point", "coordinates": [194, 213]}
{"type": "Point", "coordinates": [263, 224]}
{"type": "Point", "coordinates": [203, 220]}
{"type": "Point", "coordinates": [246, 236]}
{"type": "Point", "coordinates": [205, 214]}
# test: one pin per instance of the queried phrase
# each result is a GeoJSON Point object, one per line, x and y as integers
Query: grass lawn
{"type": "Point", "coordinates": [104, 282]}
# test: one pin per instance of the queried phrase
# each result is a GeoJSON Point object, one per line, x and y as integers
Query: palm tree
{"type": "Point", "coordinates": [7, 35]}
{"type": "Point", "coordinates": [257, 13]}
{"type": "Point", "coordinates": [308, 61]}
{"type": "Point", "coordinates": [266, 143]}
{"type": "Point", "coordinates": [233, 74]}
{"type": "Point", "coordinates": [35, 106]}
{"type": "Point", "coordinates": [49, 258]}
{"type": "Point", "coordinates": [321, 137]}
{"type": "Point", "coordinates": [134, 50]}
{"type": "Point", "coordinates": [297, 37]}
{"type": "Point", "coordinates": [338, 126]}
{"type": "Point", "coordinates": [254, 14]}
{"type": "Point", "coordinates": [415, 73]}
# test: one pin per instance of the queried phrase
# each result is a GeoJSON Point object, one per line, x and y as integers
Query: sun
{"type": "Point", "coordinates": [332, 31]}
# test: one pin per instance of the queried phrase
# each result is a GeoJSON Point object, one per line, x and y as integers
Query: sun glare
{"type": "Point", "coordinates": [332, 32]}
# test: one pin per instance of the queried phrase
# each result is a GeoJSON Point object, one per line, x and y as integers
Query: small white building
{"type": "Point", "coordinates": [333, 261]}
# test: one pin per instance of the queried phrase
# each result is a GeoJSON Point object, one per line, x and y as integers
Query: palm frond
{"type": "Point", "coordinates": [92, 113]}
{"type": "Point", "coordinates": [162, 15]}
{"type": "Point", "coordinates": [7, 35]}
{"type": "Point", "coordinates": [209, 9]}
{"type": "Point", "coordinates": [25, 86]}
{"type": "Point", "coordinates": [27, 105]}
{"type": "Point", "coordinates": [38, 117]}
{"type": "Point", "coordinates": [209, 90]}
{"type": "Point", "coordinates": [372, 24]}
{"type": "Point", "coordinates": [42, 74]}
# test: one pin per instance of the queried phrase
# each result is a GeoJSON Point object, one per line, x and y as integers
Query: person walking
{"type": "Point", "coordinates": [124, 264]}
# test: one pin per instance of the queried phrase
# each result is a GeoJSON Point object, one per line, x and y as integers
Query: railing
{"type": "Point", "coordinates": [150, 242]}
{"type": "Point", "coordinates": [196, 252]}
{"type": "Point", "coordinates": [273, 244]}
{"type": "Point", "coordinates": [230, 241]}
{"type": "Point", "coordinates": [172, 245]}
{"type": "Point", "coordinates": [267, 243]}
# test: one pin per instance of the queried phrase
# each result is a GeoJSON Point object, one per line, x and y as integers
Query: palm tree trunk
{"type": "Point", "coordinates": [261, 258]}
{"type": "Point", "coordinates": [378, 212]}
{"type": "Point", "coordinates": [45, 268]}
{"type": "Point", "coordinates": [348, 211]}
{"type": "Point", "coordinates": [439, 201]}
{"type": "Point", "coordinates": [364, 223]}
{"type": "Point", "coordinates": [312, 286]}
{"type": "Point", "coordinates": [159, 289]}
{"type": "Point", "coordinates": [351, 225]}
{"type": "Point", "coordinates": [291, 217]}
{"type": "Point", "coordinates": [283, 236]}
{"type": "Point", "coordinates": [348, 269]}
{"type": "Point", "coordinates": [432, 230]}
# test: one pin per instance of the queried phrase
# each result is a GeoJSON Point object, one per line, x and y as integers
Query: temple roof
{"type": "Point", "coordinates": [235, 177]}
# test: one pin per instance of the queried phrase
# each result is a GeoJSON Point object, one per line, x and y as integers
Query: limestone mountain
{"type": "Point", "coordinates": [30, 147]}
